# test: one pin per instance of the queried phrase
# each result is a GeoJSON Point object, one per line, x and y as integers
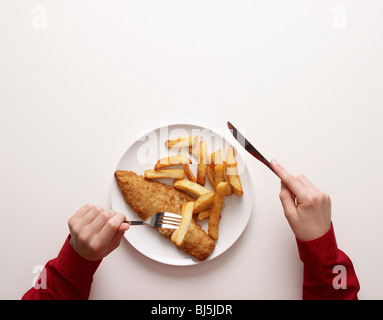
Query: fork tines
{"type": "Point", "coordinates": [167, 220]}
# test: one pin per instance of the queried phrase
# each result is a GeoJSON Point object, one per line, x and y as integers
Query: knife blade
{"type": "Point", "coordinates": [248, 146]}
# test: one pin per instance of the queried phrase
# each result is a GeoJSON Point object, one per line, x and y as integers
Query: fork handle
{"type": "Point", "coordinates": [135, 223]}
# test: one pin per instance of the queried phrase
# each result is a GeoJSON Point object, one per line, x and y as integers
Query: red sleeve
{"type": "Point", "coordinates": [328, 272]}
{"type": "Point", "coordinates": [67, 277]}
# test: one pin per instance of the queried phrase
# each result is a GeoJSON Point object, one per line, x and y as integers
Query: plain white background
{"type": "Point", "coordinates": [79, 80]}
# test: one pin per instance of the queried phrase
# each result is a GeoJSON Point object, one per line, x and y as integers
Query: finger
{"type": "Point", "coordinates": [288, 201]}
{"type": "Point", "coordinates": [124, 227]}
{"type": "Point", "coordinates": [90, 215]}
{"type": "Point", "coordinates": [82, 211]}
{"type": "Point", "coordinates": [110, 228]}
{"type": "Point", "coordinates": [291, 182]}
{"type": "Point", "coordinates": [116, 240]}
{"type": "Point", "coordinates": [99, 222]}
{"type": "Point", "coordinates": [306, 182]}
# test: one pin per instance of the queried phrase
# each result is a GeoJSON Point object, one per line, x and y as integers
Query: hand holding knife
{"type": "Point", "coordinates": [307, 209]}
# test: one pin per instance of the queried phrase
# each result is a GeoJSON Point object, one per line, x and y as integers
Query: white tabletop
{"type": "Point", "coordinates": [81, 80]}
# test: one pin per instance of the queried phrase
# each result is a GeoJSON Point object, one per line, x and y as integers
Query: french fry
{"type": "Point", "coordinates": [193, 150]}
{"type": "Point", "coordinates": [216, 157]}
{"type": "Point", "coordinates": [219, 174]}
{"type": "Point", "coordinates": [187, 214]}
{"type": "Point", "coordinates": [203, 202]}
{"type": "Point", "coordinates": [194, 189]}
{"type": "Point", "coordinates": [235, 181]}
{"type": "Point", "coordinates": [172, 161]}
{"type": "Point", "coordinates": [202, 163]}
{"type": "Point", "coordinates": [210, 174]}
{"type": "Point", "coordinates": [204, 214]}
{"type": "Point", "coordinates": [230, 157]}
{"type": "Point", "coordinates": [229, 190]}
{"type": "Point", "coordinates": [189, 173]}
{"type": "Point", "coordinates": [215, 213]}
{"type": "Point", "coordinates": [167, 173]}
{"type": "Point", "coordinates": [183, 142]}
{"type": "Point", "coordinates": [232, 172]}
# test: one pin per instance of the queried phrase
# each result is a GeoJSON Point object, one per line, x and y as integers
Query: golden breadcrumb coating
{"type": "Point", "coordinates": [147, 197]}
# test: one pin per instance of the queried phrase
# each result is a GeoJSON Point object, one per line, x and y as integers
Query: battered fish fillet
{"type": "Point", "coordinates": [147, 197]}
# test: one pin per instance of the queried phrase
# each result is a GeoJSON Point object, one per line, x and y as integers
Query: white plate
{"type": "Point", "coordinates": [143, 154]}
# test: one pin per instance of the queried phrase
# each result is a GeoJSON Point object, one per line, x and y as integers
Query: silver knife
{"type": "Point", "coordinates": [248, 146]}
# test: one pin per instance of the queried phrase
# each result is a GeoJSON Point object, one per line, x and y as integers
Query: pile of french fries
{"type": "Point", "coordinates": [221, 173]}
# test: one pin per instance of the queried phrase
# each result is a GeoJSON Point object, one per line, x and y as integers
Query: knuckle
{"type": "Point", "coordinates": [83, 237]}
{"type": "Point", "coordinates": [283, 196]}
{"type": "Point", "coordinates": [74, 228]}
{"type": "Point", "coordinates": [317, 198]}
{"type": "Point", "coordinates": [71, 223]}
{"type": "Point", "coordinates": [112, 224]}
{"type": "Point", "coordinates": [322, 197]}
{"type": "Point", "coordinates": [105, 214]}
{"type": "Point", "coordinates": [120, 217]}
{"type": "Point", "coordinates": [116, 220]}
{"type": "Point", "coordinates": [310, 199]}
{"type": "Point", "coordinates": [325, 198]}
{"type": "Point", "coordinates": [289, 179]}
{"type": "Point", "coordinates": [88, 206]}
{"type": "Point", "coordinates": [301, 177]}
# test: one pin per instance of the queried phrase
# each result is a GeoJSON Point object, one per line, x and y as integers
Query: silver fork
{"type": "Point", "coordinates": [159, 220]}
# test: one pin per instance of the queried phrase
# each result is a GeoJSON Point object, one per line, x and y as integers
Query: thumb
{"type": "Point", "coordinates": [116, 240]}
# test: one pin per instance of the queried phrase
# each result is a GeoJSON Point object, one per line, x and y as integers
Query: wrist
{"type": "Point", "coordinates": [312, 231]}
{"type": "Point", "coordinates": [321, 251]}
{"type": "Point", "coordinates": [83, 250]}
{"type": "Point", "coordinates": [74, 266]}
